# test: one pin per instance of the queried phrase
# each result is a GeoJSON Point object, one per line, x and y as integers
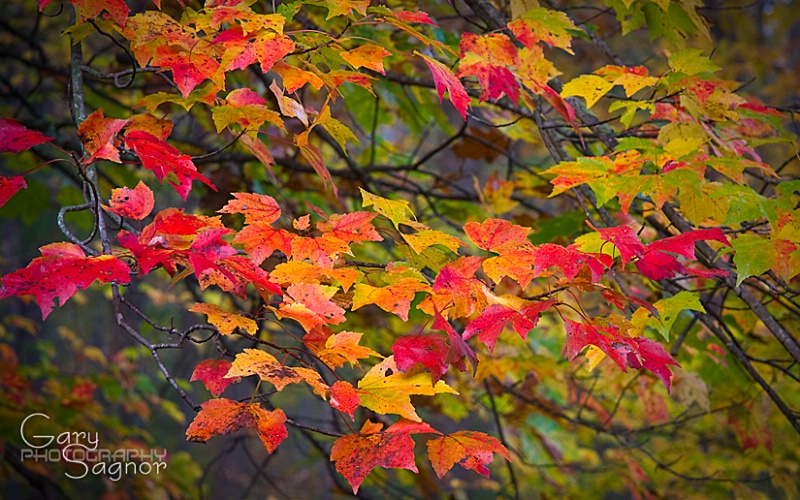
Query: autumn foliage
{"type": "Point", "coordinates": [475, 238]}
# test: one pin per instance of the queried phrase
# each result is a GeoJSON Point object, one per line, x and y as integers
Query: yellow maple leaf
{"type": "Point", "coordinates": [342, 347]}
{"type": "Point", "coordinates": [263, 364]}
{"type": "Point", "coordinates": [391, 393]}
{"type": "Point", "coordinates": [225, 321]}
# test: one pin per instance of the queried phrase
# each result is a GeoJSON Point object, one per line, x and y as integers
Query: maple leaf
{"type": "Point", "coordinates": [492, 320]}
{"type": "Point", "coordinates": [570, 260]}
{"type": "Point", "coordinates": [97, 133]}
{"type": "Point", "coordinates": [470, 449]}
{"type": "Point", "coordinates": [260, 240]}
{"type": "Point", "coordinates": [205, 253]}
{"type": "Point", "coordinates": [136, 203]}
{"type": "Point", "coordinates": [516, 263]}
{"type": "Point", "coordinates": [344, 7]}
{"type": "Point", "coordinates": [242, 50]}
{"type": "Point", "coordinates": [368, 56]}
{"type": "Point", "coordinates": [15, 137]}
{"type": "Point", "coordinates": [149, 30]}
{"type": "Point", "coordinates": [667, 311]}
{"type": "Point", "coordinates": [117, 9]}
{"type": "Point", "coordinates": [211, 372]}
{"type": "Point", "coordinates": [246, 108]}
{"type": "Point", "coordinates": [223, 416]}
{"type": "Point", "coordinates": [390, 393]}
{"type": "Point", "coordinates": [9, 186]}
{"type": "Point", "coordinates": [257, 208]}
{"type": "Point", "coordinates": [657, 262]}
{"type": "Point", "coordinates": [590, 87]}
{"type": "Point", "coordinates": [342, 347]}
{"type": "Point", "coordinates": [540, 24]}
{"type": "Point", "coordinates": [260, 151]}
{"type": "Point", "coordinates": [189, 67]}
{"type": "Point", "coordinates": [624, 238]}
{"type": "Point", "coordinates": [397, 211]}
{"type": "Point", "coordinates": [295, 271]}
{"type": "Point", "coordinates": [357, 455]}
{"type": "Point", "coordinates": [459, 350]}
{"type": "Point", "coordinates": [431, 351]}
{"type": "Point", "coordinates": [344, 397]}
{"type": "Point", "coordinates": [636, 352]}
{"type": "Point", "coordinates": [295, 78]}
{"type": "Point", "coordinates": [350, 227]}
{"type": "Point", "coordinates": [444, 79]}
{"type": "Point", "coordinates": [321, 250]}
{"type": "Point", "coordinates": [340, 132]}
{"type": "Point", "coordinates": [166, 162]}
{"type": "Point", "coordinates": [413, 17]}
{"type": "Point", "coordinates": [310, 305]}
{"type": "Point", "coordinates": [225, 321]}
{"type": "Point", "coordinates": [244, 272]}
{"type": "Point", "coordinates": [456, 289]}
{"type": "Point", "coordinates": [426, 238]}
{"type": "Point", "coordinates": [395, 298]}
{"type": "Point", "coordinates": [60, 272]}
{"type": "Point", "coordinates": [158, 127]}
{"type": "Point", "coordinates": [263, 364]}
{"type": "Point", "coordinates": [166, 240]}
{"type": "Point", "coordinates": [495, 235]}
{"type": "Point", "coordinates": [486, 57]}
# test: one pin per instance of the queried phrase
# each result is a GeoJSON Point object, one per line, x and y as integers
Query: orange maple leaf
{"type": "Point", "coordinates": [225, 321]}
{"type": "Point", "coordinates": [263, 364]}
{"type": "Point", "coordinates": [472, 450]}
{"type": "Point", "coordinates": [343, 347]}
{"type": "Point", "coordinates": [395, 298]}
{"type": "Point", "coordinates": [368, 56]}
{"type": "Point", "coordinates": [223, 416]}
{"type": "Point", "coordinates": [357, 455]}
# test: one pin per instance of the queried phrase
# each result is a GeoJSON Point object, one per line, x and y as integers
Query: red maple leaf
{"type": "Point", "coordinates": [165, 161]}
{"type": "Point", "coordinates": [624, 238]}
{"type": "Point", "coordinates": [431, 351]}
{"type": "Point", "coordinates": [492, 320]}
{"type": "Point", "coordinates": [212, 373]}
{"type": "Point", "coordinates": [456, 287]}
{"type": "Point", "coordinates": [357, 455]}
{"type": "Point", "coordinates": [189, 67]}
{"type": "Point", "coordinates": [657, 261]}
{"type": "Point", "coordinates": [345, 398]}
{"type": "Point", "coordinates": [486, 57]}
{"type": "Point", "coordinates": [413, 17]}
{"type": "Point", "coordinates": [444, 79]}
{"type": "Point", "coordinates": [14, 137]}
{"type": "Point", "coordinates": [166, 240]}
{"type": "Point", "coordinates": [570, 260]}
{"type": "Point", "coordinates": [9, 187]}
{"type": "Point", "coordinates": [459, 350]}
{"type": "Point", "coordinates": [136, 203]}
{"type": "Point", "coordinates": [60, 272]}
{"type": "Point", "coordinates": [634, 352]}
